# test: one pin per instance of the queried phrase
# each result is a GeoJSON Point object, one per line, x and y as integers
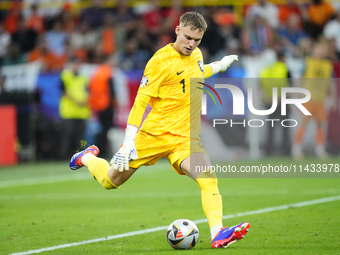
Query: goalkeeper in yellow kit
{"type": "Point", "coordinates": [172, 127]}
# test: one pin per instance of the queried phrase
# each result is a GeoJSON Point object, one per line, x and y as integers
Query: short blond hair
{"type": "Point", "coordinates": [194, 20]}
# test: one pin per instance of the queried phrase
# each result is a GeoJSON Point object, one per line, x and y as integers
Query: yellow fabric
{"type": "Point", "coordinates": [167, 79]}
{"type": "Point", "coordinates": [207, 71]}
{"type": "Point", "coordinates": [317, 109]}
{"type": "Point", "coordinates": [321, 72]}
{"type": "Point", "coordinates": [98, 168]}
{"type": "Point", "coordinates": [175, 148]}
{"type": "Point", "coordinates": [75, 87]}
{"type": "Point", "coordinates": [277, 70]}
{"type": "Point", "coordinates": [138, 109]}
{"type": "Point", "coordinates": [211, 198]}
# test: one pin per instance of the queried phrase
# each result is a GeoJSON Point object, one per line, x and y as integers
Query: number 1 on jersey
{"type": "Point", "coordinates": [183, 82]}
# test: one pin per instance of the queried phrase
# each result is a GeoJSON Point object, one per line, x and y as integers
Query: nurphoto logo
{"type": "Point", "coordinates": [239, 102]}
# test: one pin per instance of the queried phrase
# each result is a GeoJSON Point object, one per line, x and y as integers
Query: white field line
{"type": "Point", "coordinates": [58, 196]}
{"type": "Point", "coordinates": [84, 175]}
{"type": "Point", "coordinates": [150, 230]}
{"type": "Point", "coordinates": [118, 195]}
{"type": "Point", "coordinates": [100, 195]}
{"type": "Point", "coordinates": [45, 180]}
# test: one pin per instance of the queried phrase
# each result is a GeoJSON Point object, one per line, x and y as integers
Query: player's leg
{"type": "Point", "coordinates": [195, 166]}
{"type": "Point", "coordinates": [118, 178]}
{"type": "Point", "coordinates": [210, 195]}
{"type": "Point", "coordinates": [99, 168]}
{"type": "Point", "coordinates": [320, 116]}
{"type": "Point", "coordinates": [320, 150]}
{"type": "Point", "coordinates": [297, 152]}
{"type": "Point", "coordinates": [109, 178]}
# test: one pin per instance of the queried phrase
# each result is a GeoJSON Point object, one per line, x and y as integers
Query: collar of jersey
{"type": "Point", "coordinates": [180, 55]}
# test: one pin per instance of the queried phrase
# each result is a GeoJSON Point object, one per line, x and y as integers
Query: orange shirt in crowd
{"type": "Point", "coordinates": [286, 11]}
{"type": "Point", "coordinates": [48, 59]}
{"type": "Point", "coordinates": [320, 14]}
{"type": "Point", "coordinates": [12, 19]}
{"type": "Point", "coordinates": [99, 90]}
{"type": "Point", "coordinates": [11, 24]}
{"type": "Point", "coordinates": [36, 23]}
{"type": "Point", "coordinates": [79, 53]}
{"type": "Point", "coordinates": [224, 17]}
{"type": "Point", "coordinates": [109, 44]}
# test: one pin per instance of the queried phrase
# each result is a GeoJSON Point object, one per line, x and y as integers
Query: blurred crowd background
{"type": "Point", "coordinates": [64, 41]}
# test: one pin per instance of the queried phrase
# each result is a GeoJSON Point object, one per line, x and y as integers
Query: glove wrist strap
{"type": "Point", "coordinates": [215, 67]}
{"type": "Point", "coordinates": [130, 132]}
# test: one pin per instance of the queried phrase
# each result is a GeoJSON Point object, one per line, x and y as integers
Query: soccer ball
{"type": "Point", "coordinates": [182, 234]}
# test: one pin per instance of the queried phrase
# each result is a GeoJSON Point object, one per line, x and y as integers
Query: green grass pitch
{"type": "Point", "coordinates": [46, 205]}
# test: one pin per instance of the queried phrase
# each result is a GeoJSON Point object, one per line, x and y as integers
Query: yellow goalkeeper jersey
{"type": "Point", "coordinates": [175, 99]}
{"type": "Point", "coordinates": [318, 73]}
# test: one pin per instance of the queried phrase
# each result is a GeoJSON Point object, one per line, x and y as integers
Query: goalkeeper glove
{"type": "Point", "coordinates": [127, 152]}
{"type": "Point", "coordinates": [223, 64]}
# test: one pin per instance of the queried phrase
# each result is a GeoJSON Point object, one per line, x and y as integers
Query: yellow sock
{"type": "Point", "coordinates": [98, 168]}
{"type": "Point", "coordinates": [211, 198]}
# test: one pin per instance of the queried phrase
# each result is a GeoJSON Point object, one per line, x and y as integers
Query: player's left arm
{"type": "Point", "coordinates": [207, 71]}
{"type": "Point", "coordinates": [219, 66]}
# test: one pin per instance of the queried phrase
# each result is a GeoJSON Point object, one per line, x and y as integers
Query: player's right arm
{"type": "Point", "coordinates": [128, 151]}
{"type": "Point", "coordinates": [152, 78]}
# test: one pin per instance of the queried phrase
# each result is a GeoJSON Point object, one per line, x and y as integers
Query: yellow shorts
{"type": "Point", "coordinates": [317, 110]}
{"type": "Point", "coordinates": [151, 148]}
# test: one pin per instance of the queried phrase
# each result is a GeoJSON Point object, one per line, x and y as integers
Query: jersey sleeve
{"type": "Point", "coordinates": [138, 109]}
{"type": "Point", "coordinates": [154, 76]}
{"type": "Point", "coordinates": [207, 71]}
